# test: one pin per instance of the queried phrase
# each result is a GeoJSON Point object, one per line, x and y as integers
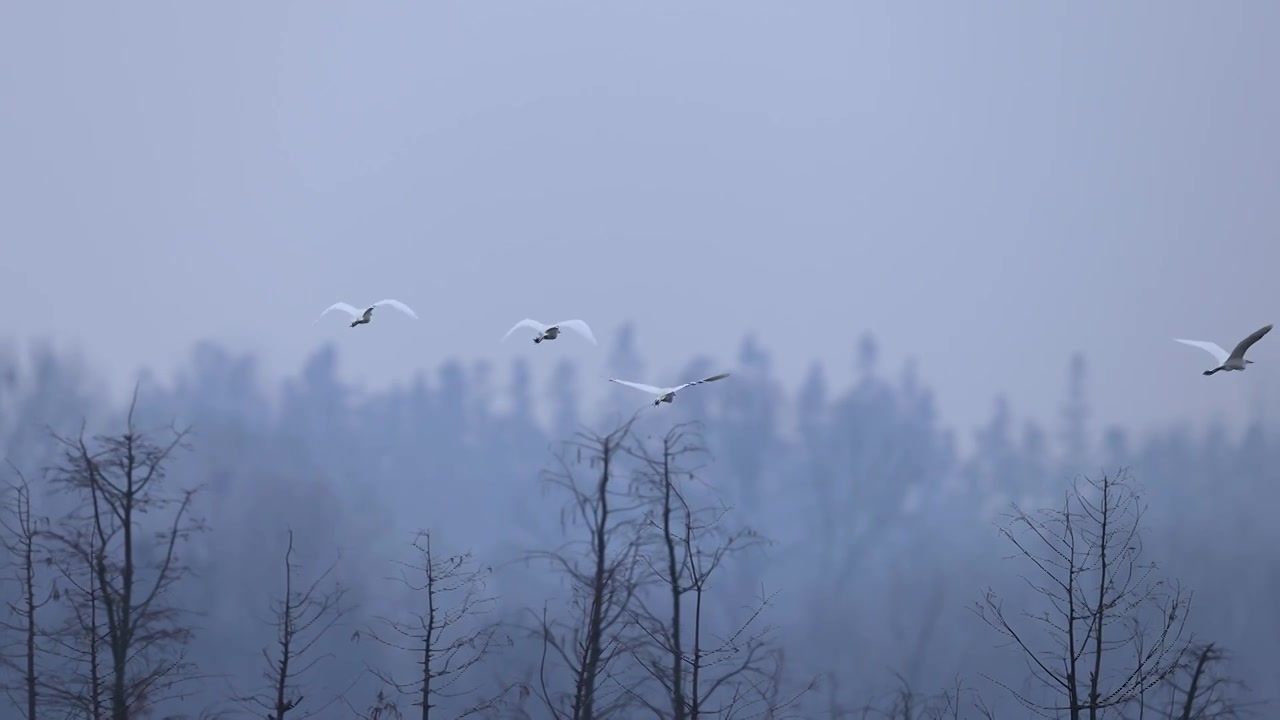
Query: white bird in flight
{"type": "Point", "coordinates": [1234, 361]}
{"type": "Point", "coordinates": [363, 318]}
{"type": "Point", "coordinates": [666, 395]}
{"type": "Point", "coordinates": [551, 332]}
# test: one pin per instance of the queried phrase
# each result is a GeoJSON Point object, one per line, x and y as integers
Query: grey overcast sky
{"type": "Point", "coordinates": [987, 187]}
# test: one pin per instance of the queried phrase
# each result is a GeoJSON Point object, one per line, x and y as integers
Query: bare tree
{"type": "Point", "coordinates": [383, 708]}
{"type": "Point", "coordinates": [301, 619]}
{"type": "Point", "coordinates": [730, 676]}
{"type": "Point", "coordinates": [603, 578]}
{"type": "Point", "coordinates": [78, 686]}
{"type": "Point", "coordinates": [906, 704]}
{"type": "Point", "coordinates": [1198, 690]}
{"type": "Point", "coordinates": [438, 634]}
{"type": "Point", "coordinates": [1100, 599]}
{"type": "Point", "coordinates": [133, 564]}
{"type": "Point", "coordinates": [21, 533]}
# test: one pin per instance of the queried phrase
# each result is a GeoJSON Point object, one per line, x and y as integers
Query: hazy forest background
{"type": "Point", "coordinates": [865, 554]}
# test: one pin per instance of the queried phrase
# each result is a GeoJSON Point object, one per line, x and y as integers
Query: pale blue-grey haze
{"type": "Point", "coordinates": [986, 188]}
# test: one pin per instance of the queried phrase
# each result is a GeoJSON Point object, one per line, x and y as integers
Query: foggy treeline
{"type": "Point", "coordinates": [218, 547]}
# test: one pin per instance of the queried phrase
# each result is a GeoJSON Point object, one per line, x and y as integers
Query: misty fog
{"type": "Point", "coordinates": [960, 468]}
{"type": "Point", "coordinates": [872, 542]}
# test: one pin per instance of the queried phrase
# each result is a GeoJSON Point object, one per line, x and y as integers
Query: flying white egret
{"type": "Point", "coordinates": [1234, 361]}
{"type": "Point", "coordinates": [666, 395]}
{"type": "Point", "coordinates": [551, 332]}
{"type": "Point", "coordinates": [363, 318]}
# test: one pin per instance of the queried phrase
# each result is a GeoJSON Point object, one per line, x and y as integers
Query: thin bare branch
{"type": "Point", "coordinates": [1099, 597]}
{"type": "Point", "coordinates": [302, 618]}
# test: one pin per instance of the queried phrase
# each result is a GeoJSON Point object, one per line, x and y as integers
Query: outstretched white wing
{"type": "Point", "coordinates": [399, 306]}
{"type": "Point", "coordinates": [713, 378]}
{"type": "Point", "coordinates": [344, 307]}
{"type": "Point", "coordinates": [527, 322]}
{"type": "Point", "coordinates": [1248, 342]}
{"type": "Point", "coordinates": [580, 327]}
{"type": "Point", "coordinates": [1212, 348]}
{"type": "Point", "coordinates": [641, 386]}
